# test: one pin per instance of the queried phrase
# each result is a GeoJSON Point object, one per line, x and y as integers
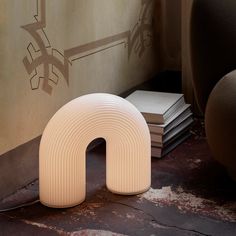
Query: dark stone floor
{"type": "Point", "coordinates": [191, 194]}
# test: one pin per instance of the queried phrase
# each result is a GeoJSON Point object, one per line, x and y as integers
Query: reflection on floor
{"type": "Point", "coordinates": [191, 194]}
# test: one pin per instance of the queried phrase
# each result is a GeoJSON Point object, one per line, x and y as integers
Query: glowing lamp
{"type": "Point", "coordinates": [62, 164]}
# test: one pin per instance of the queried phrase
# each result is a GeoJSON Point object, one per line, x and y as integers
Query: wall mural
{"type": "Point", "coordinates": [55, 63]}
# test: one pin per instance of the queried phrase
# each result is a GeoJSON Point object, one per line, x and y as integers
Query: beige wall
{"type": "Point", "coordinates": [94, 46]}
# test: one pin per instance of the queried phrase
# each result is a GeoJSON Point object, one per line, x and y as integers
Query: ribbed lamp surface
{"type": "Point", "coordinates": [62, 164]}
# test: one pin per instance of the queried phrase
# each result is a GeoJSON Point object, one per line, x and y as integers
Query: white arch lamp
{"type": "Point", "coordinates": [62, 170]}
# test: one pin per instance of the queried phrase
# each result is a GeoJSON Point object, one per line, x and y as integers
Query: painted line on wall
{"type": "Point", "coordinates": [136, 39]}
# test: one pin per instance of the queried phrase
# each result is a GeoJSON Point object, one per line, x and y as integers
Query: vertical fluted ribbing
{"type": "Point", "coordinates": [65, 139]}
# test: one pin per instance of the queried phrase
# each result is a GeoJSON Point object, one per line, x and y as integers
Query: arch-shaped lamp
{"type": "Point", "coordinates": [62, 164]}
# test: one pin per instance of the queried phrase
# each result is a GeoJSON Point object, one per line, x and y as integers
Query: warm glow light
{"type": "Point", "coordinates": [62, 164]}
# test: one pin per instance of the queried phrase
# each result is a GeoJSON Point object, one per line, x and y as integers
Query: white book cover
{"type": "Point", "coordinates": [172, 139]}
{"type": "Point", "coordinates": [181, 114]}
{"type": "Point", "coordinates": [159, 138]}
{"type": "Point", "coordinates": [160, 152]}
{"type": "Point", "coordinates": [156, 107]}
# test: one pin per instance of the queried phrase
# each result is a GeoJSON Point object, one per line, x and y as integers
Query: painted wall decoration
{"type": "Point", "coordinates": [56, 63]}
{"type": "Point", "coordinates": [52, 51]}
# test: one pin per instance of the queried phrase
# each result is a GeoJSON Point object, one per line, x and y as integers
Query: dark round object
{"type": "Point", "coordinates": [213, 44]}
{"type": "Point", "coordinates": [220, 122]}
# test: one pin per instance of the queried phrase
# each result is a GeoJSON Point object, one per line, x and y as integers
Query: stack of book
{"type": "Point", "coordinates": [168, 117]}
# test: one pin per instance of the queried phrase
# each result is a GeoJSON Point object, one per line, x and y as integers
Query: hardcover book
{"type": "Point", "coordinates": [160, 152]}
{"type": "Point", "coordinates": [156, 107]}
{"type": "Point", "coordinates": [159, 138]}
{"type": "Point", "coordinates": [174, 120]}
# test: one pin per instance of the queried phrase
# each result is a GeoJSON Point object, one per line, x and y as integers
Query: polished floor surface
{"type": "Point", "coordinates": [191, 194]}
